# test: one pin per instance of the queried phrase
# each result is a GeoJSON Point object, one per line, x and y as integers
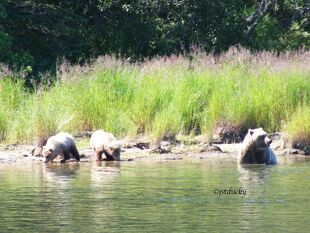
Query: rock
{"type": "Point", "coordinates": [295, 152]}
{"type": "Point", "coordinates": [278, 141]}
{"type": "Point", "coordinates": [26, 154]}
{"type": "Point", "coordinates": [227, 134]}
{"type": "Point", "coordinates": [208, 148]}
{"type": "Point", "coordinates": [301, 145]}
{"type": "Point", "coordinates": [174, 158]}
{"type": "Point", "coordinates": [164, 147]}
{"type": "Point", "coordinates": [37, 150]}
{"type": "Point", "coordinates": [275, 136]}
{"type": "Point", "coordinates": [141, 143]}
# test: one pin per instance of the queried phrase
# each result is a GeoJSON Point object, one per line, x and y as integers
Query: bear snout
{"type": "Point", "coordinates": [268, 141]}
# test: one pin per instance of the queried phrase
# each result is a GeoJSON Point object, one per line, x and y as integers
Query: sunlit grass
{"type": "Point", "coordinates": [12, 98]}
{"type": "Point", "coordinates": [298, 127]}
{"type": "Point", "coordinates": [164, 97]}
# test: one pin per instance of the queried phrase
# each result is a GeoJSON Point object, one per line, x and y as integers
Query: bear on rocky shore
{"type": "Point", "coordinates": [60, 144]}
{"type": "Point", "coordinates": [255, 148]}
{"type": "Point", "coordinates": [103, 142]}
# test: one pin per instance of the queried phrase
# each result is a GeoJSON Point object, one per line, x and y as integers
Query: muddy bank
{"type": "Point", "coordinates": [130, 152]}
{"type": "Point", "coordinates": [142, 149]}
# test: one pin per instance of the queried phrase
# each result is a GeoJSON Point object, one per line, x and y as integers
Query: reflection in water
{"type": "Point", "coordinates": [253, 179]}
{"type": "Point", "coordinates": [60, 174]}
{"type": "Point", "coordinates": [170, 196]}
{"type": "Point", "coordinates": [88, 199]}
{"type": "Point", "coordinates": [103, 175]}
{"type": "Point", "coordinates": [59, 178]}
{"type": "Point", "coordinates": [103, 172]}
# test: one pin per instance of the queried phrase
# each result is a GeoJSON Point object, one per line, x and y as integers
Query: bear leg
{"type": "Point", "coordinates": [75, 153]}
{"type": "Point", "coordinates": [98, 155]}
{"type": "Point", "coordinates": [108, 157]}
{"type": "Point", "coordinates": [66, 157]}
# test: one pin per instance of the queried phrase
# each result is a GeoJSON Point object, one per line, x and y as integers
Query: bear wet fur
{"type": "Point", "coordinates": [60, 144]}
{"type": "Point", "coordinates": [105, 143]}
{"type": "Point", "coordinates": [255, 148]}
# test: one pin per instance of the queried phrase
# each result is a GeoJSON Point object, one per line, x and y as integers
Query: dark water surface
{"type": "Point", "coordinates": [154, 196]}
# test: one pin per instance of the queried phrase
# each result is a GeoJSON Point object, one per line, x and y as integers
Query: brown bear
{"type": "Point", "coordinates": [60, 144]}
{"type": "Point", "coordinates": [103, 142]}
{"type": "Point", "coordinates": [255, 148]}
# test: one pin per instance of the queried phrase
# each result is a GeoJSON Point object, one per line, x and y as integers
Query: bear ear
{"type": "Point", "coordinates": [251, 131]}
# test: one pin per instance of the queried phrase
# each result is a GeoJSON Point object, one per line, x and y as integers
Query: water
{"type": "Point", "coordinates": [154, 196]}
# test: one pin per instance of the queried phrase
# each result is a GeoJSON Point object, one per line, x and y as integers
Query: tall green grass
{"type": "Point", "coordinates": [299, 126]}
{"type": "Point", "coordinates": [12, 98]}
{"type": "Point", "coordinates": [164, 97]}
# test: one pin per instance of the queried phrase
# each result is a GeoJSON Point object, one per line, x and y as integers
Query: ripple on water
{"type": "Point", "coordinates": [170, 196]}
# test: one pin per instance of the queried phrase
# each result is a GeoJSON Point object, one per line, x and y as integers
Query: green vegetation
{"type": "Point", "coordinates": [299, 127]}
{"type": "Point", "coordinates": [164, 97]}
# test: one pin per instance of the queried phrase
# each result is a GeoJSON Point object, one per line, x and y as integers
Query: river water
{"type": "Point", "coordinates": [155, 196]}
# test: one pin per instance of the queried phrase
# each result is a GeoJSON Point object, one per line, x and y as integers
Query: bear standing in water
{"type": "Point", "coordinates": [255, 148]}
{"type": "Point", "coordinates": [63, 144]}
{"type": "Point", "coordinates": [103, 142]}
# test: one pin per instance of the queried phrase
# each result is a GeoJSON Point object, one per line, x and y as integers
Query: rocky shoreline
{"type": "Point", "coordinates": [143, 149]}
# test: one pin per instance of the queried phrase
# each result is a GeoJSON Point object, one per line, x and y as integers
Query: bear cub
{"type": "Point", "coordinates": [102, 142]}
{"type": "Point", "coordinates": [255, 148]}
{"type": "Point", "coordinates": [60, 144]}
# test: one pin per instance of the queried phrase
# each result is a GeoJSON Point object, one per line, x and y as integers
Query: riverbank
{"type": "Point", "coordinates": [132, 150]}
{"type": "Point", "coordinates": [142, 149]}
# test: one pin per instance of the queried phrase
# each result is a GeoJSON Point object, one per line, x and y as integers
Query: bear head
{"type": "Point", "coordinates": [259, 139]}
{"type": "Point", "coordinates": [115, 151]}
{"type": "Point", "coordinates": [47, 154]}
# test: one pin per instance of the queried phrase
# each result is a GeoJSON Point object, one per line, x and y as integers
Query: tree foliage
{"type": "Point", "coordinates": [279, 25]}
{"type": "Point", "coordinates": [37, 33]}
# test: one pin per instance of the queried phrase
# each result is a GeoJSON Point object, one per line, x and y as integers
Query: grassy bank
{"type": "Point", "coordinates": [165, 97]}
